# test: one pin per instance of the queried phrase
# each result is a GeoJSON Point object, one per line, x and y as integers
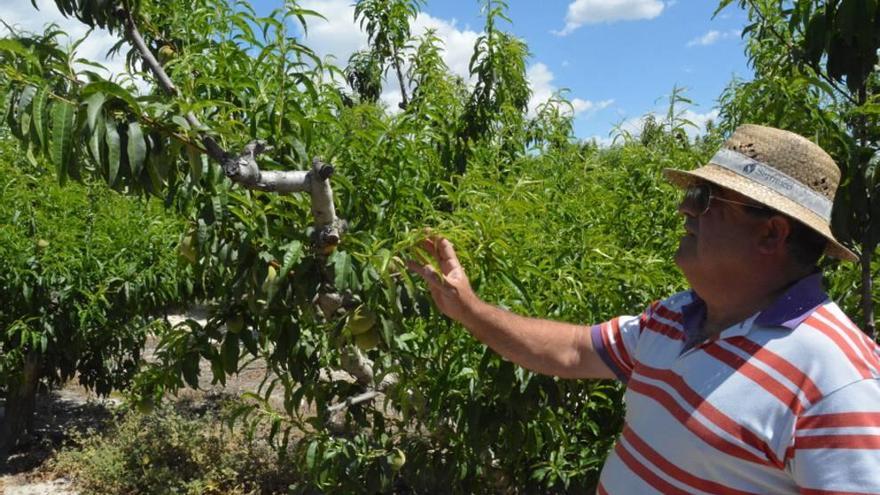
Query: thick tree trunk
{"type": "Point", "coordinates": [867, 292]}
{"type": "Point", "coordinates": [20, 403]}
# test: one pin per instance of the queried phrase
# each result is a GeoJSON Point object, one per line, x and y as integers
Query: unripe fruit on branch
{"type": "Point", "coordinates": [396, 459]}
{"type": "Point", "coordinates": [235, 324]}
{"type": "Point", "coordinates": [271, 275]}
{"type": "Point", "coordinates": [146, 405]}
{"type": "Point", "coordinates": [166, 53]}
{"type": "Point", "coordinates": [187, 248]}
{"type": "Point", "coordinates": [361, 321]}
{"type": "Point", "coordinates": [367, 341]}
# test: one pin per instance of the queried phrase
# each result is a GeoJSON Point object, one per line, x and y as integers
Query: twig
{"type": "Point", "coordinates": [357, 399]}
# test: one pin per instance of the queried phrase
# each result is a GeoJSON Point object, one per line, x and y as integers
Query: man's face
{"type": "Point", "coordinates": [719, 242]}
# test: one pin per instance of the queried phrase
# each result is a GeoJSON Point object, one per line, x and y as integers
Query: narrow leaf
{"type": "Point", "coordinates": [39, 116]}
{"type": "Point", "coordinates": [63, 118]}
{"type": "Point", "coordinates": [113, 152]}
{"type": "Point", "coordinates": [94, 104]}
{"type": "Point", "coordinates": [112, 89]}
{"type": "Point", "coordinates": [137, 148]}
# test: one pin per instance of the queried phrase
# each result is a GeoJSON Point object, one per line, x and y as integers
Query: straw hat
{"type": "Point", "coordinates": [779, 169]}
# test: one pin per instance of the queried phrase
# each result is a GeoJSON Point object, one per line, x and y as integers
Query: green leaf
{"type": "Point", "coordinates": [96, 141]}
{"type": "Point", "coordinates": [137, 148]}
{"type": "Point", "coordinates": [229, 351]}
{"type": "Point", "coordinates": [113, 151]}
{"type": "Point", "coordinates": [311, 454]}
{"type": "Point", "coordinates": [815, 38]}
{"type": "Point", "coordinates": [195, 163]}
{"type": "Point", "coordinates": [344, 276]}
{"type": "Point", "coordinates": [61, 150]}
{"type": "Point", "coordinates": [112, 89]}
{"type": "Point", "coordinates": [14, 46]}
{"type": "Point", "coordinates": [94, 104]}
{"type": "Point", "coordinates": [190, 369]}
{"type": "Point", "coordinates": [39, 116]}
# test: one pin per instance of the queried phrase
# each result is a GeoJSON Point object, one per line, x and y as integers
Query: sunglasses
{"type": "Point", "coordinates": [698, 197]}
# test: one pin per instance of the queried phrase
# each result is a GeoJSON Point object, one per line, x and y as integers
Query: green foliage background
{"type": "Point", "coordinates": [83, 271]}
{"type": "Point", "coordinates": [544, 224]}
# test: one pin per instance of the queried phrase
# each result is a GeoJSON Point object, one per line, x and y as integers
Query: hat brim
{"type": "Point", "coordinates": [723, 177]}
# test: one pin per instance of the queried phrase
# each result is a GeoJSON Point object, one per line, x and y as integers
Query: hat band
{"type": "Point", "coordinates": [778, 181]}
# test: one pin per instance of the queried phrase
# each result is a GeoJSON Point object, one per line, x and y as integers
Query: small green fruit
{"type": "Point", "coordinates": [187, 248]}
{"type": "Point", "coordinates": [235, 324]}
{"type": "Point", "coordinates": [42, 244]}
{"type": "Point", "coordinates": [146, 405]}
{"type": "Point", "coordinates": [361, 321]}
{"type": "Point", "coordinates": [166, 53]}
{"type": "Point", "coordinates": [271, 275]}
{"type": "Point", "coordinates": [397, 459]}
{"type": "Point", "coordinates": [367, 341]}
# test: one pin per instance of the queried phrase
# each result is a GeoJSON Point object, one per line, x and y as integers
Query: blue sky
{"type": "Point", "coordinates": [632, 62]}
{"type": "Point", "coordinates": [619, 59]}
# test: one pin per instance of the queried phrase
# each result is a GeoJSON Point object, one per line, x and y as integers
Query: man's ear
{"type": "Point", "coordinates": [773, 235]}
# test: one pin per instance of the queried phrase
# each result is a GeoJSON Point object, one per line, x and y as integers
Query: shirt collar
{"type": "Point", "coordinates": [789, 310]}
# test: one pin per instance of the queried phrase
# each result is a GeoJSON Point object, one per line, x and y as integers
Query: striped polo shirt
{"type": "Point", "coordinates": [787, 401]}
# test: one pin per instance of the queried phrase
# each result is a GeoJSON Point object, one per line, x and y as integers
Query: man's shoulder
{"type": "Point", "coordinates": [826, 346]}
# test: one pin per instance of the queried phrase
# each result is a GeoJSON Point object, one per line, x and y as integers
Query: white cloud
{"type": "Point", "coordinates": [340, 36]}
{"type": "Point", "coordinates": [713, 37]}
{"type": "Point", "coordinates": [706, 39]}
{"type": "Point", "coordinates": [541, 82]}
{"type": "Point", "coordinates": [337, 35]}
{"type": "Point", "coordinates": [634, 125]}
{"type": "Point", "coordinates": [22, 16]}
{"type": "Point", "coordinates": [582, 12]}
{"type": "Point", "coordinates": [458, 44]}
{"type": "Point", "coordinates": [581, 106]}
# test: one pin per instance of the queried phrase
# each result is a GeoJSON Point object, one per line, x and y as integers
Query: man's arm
{"type": "Point", "coordinates": [544, 346]}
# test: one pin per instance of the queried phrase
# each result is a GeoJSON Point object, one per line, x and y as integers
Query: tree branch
{"type": "Point", "coordinates": [243, 168]}
{"type": "Point", "coordinates": [357, 399]}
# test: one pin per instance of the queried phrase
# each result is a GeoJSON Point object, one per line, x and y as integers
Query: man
{"type": "Point", "coordinates": [751, 382]}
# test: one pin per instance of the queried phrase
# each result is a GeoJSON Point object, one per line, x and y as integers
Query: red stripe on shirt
{"type": "Point", "coordinates": [854, 334]}
{"type": "Point", "coordinates": [840, 420]}
{"type": "Point", "coordinates": [624, 355]}
{"type": "Point", "coordinates": [724, 422]}
{"type": "Point", "coordinates": [601, 490]}
{"type": "Point", "coordinates": [850, 442]}
{"type": "Point", "coordinates": [604, 331]}
{"type": "Point", "coordinates": [667, 313]}
{"type": "Point", "coordinates": [694, 425]}
{"type": "Point", "coordinates": [781, 365]}
{"type": "Point", "coordinates": [674, 471]}
{"type": "Point", "coordinates": [813, 491]}
{"type": "Point", "coordinates": [664, 329]}
{"type": "Point", "coordinates": [757, 375]}
{"type": "Point", "coordinates": [645, 474]}
{"type": "Point", "coordinates": [859, 364]}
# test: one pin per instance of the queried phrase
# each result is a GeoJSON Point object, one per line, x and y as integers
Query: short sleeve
{"type": "Point", "coordinates": [615, 341]}
{"type": "Point", "coordinates": [836, 447]}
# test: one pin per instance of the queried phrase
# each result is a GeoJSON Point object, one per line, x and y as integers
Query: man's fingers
{"type": "Point", "coordinates": [427, 273]}
{"type": "Point", "coordinates": [446, 256]}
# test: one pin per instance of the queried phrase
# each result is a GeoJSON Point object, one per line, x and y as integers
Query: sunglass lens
{"type": "Point", "coordinates": [698, 197]}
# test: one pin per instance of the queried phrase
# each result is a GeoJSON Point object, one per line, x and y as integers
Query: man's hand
{"type": "Point", "coordinates": [450, 288]}
{"type": "Point", "coordinates": [545, 346]}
